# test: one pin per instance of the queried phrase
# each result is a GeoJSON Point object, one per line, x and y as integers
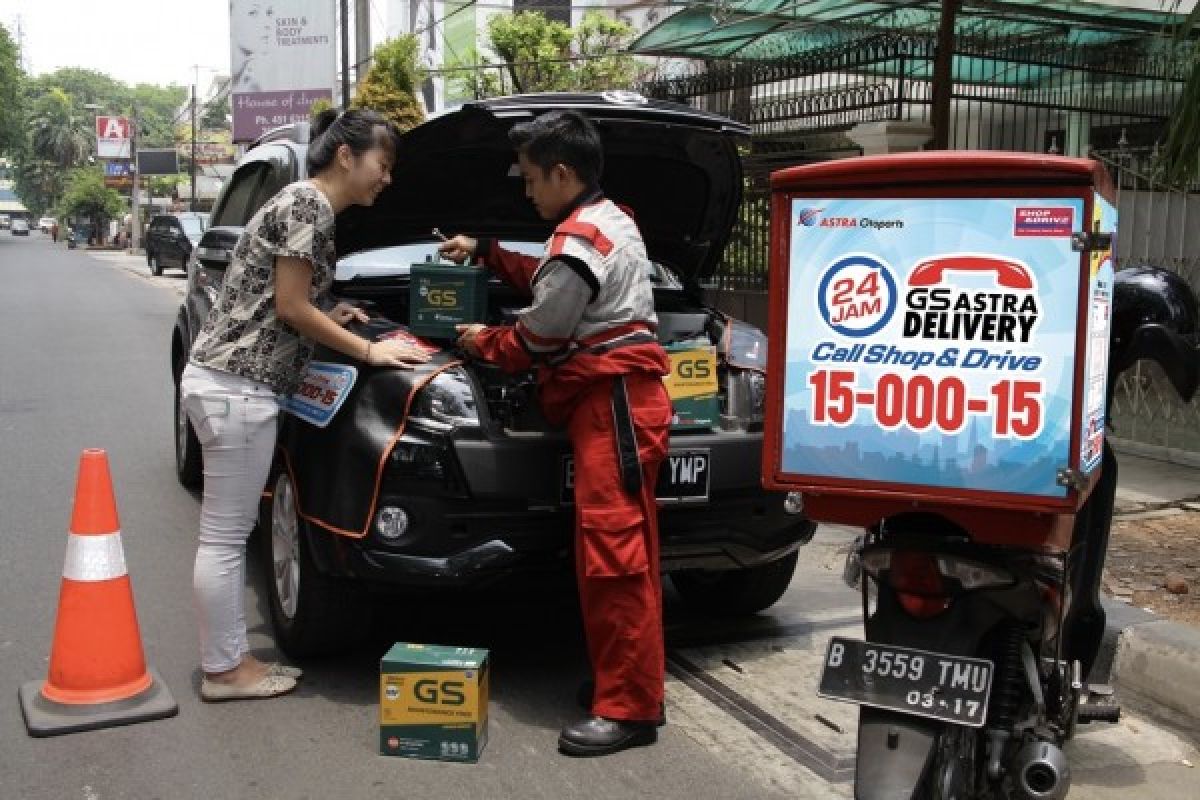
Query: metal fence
{"type": "Point", "coordinates": [1009, 94]}
{"type": "Point", "coordinates": [1157, 225]}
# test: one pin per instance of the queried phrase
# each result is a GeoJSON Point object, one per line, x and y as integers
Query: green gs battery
{"type": "Point", "coordinates": [444, 295]}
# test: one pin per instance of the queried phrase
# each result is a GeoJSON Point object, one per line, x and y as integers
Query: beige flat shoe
{"type": "Point", "coordinates": [275, 668]}
{"type": "Point", "coordinates": [267, 686]}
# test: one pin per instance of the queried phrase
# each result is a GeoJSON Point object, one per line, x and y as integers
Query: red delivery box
{"type": "Point", "coordinates": [939, 327]}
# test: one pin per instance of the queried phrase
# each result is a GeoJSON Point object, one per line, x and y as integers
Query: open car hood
{"type": "Point", "coordinates": [678, 169]}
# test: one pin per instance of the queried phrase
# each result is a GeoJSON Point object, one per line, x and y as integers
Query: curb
{"type": "Point", "coordinates": [1154, 664]}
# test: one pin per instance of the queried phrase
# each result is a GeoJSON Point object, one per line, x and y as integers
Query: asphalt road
{"type": "Point", "coordinates": [83, 363]}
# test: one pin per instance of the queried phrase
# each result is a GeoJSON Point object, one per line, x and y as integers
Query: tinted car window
{"type": "Point", "coordinates": [234, 207]}
{"type": "Point", "coordinates": [280, 172]}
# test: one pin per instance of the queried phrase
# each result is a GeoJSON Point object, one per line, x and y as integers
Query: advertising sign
{"type": "Point", "coordinates": [112, 137]}
{"type": "Point", "coordinates": [157, 162]}
{"type": "Point", "coordinates": [118, 174]}
{"type": "Point", "coordinates": [282, 57]}
{"type": "Point", "coordinates": [932, 342]}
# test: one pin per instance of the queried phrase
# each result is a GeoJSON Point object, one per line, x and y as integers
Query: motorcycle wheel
{"type": "Point", "coordinates": [952, 776]}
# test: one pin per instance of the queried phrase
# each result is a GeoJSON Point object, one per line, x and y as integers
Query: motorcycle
{"type": "Point", "coordinates": [984, 626]}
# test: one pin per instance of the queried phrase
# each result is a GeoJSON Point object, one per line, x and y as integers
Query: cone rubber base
{"type": "Point", "coordinates": [46, 718]}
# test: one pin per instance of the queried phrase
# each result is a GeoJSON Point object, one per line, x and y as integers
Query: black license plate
{"type": "Point", "coordinates": [950, 688]}
{"type": "Point", "coordinates": [682, 478]}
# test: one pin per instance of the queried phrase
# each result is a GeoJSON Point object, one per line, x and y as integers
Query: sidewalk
{"type": "Point", "coordinates": [1154, 663]}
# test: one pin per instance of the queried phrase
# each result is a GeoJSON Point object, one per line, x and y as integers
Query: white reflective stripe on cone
{"type": "Point", "coordinates": [94, 557]}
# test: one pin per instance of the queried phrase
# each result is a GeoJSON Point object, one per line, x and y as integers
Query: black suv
{"type": "Point", "coordinates": [170, 239]}
{"type": "Point", "coordinates": [448, 476]}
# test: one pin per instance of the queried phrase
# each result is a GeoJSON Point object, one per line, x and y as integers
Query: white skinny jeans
{"type": "Point", "coordinates": [235, 420]}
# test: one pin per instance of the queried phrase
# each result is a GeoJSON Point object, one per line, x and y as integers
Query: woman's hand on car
{"type": "Point", "coordinates": [459, 249]}
{"type": "Point", "coordinates": [391, 353]}
{"type": "Point", "coordinates": [344, 312]}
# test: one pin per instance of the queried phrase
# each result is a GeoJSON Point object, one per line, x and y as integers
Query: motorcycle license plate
{"type": "Point", "coordinates": [950, 688]}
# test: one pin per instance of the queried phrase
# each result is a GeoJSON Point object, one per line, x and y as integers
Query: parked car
{"type": "Point", "coordinates": [448, 476]}
{"type": "Point", "coordinates": [20, 227]}
{"type": "Point", "coordinates": [170, 239]}
{"type": "Point", "coordinates": [45, 224]}
{"type": "Point", "coordinates": [5, 222]}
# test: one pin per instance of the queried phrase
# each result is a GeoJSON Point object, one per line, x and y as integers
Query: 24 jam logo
{"type": "Point", "coordinates": [857, 295]}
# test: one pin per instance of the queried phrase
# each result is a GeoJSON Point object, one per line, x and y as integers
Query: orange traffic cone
{"type": "Point", "coordinates": [98, 675]}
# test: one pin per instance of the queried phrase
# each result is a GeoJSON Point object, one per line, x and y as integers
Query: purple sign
{"type": "Point", "coordinates": [255, 113]}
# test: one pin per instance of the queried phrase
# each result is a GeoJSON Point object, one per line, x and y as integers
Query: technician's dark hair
{"type": "Point", "coordinates": [358, 129]}
{"type": "Point", "coordinates": [561, 137]}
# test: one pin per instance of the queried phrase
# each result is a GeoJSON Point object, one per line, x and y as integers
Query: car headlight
{"type": "Point", "coordinates": [445, 403]}
{"type": "Point", "coordinates": [745, 399]}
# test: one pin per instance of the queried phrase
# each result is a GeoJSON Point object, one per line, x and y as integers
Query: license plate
{"type": "Point", "coordinates": [950, 688]}
{"type": "Point", "coordinates": [682, 478]}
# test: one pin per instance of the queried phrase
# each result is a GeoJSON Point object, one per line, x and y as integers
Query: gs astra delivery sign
{"type": "Point", "coordinates": [939, 343]}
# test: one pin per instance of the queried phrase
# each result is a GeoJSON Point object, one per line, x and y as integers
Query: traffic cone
{"type": "Point", "coordinates": [98, 676]}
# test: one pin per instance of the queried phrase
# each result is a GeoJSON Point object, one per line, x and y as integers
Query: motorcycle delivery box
{"type": "Point", "coordinates": [939, 327]}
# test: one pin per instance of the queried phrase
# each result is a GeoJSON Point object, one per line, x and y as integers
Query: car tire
{"type": "Point", "coordinates": [155, 265]}
{"type": "Point", "coordinates": [312, 614]}
{"type": "Point", "coordinates": [189, 464]}
{"type": "Point", "coordinates": [736, 592]}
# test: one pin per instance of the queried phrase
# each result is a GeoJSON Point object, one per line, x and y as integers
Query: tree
{"type": "Point", "coordinates": [390, 86]}
{"type": "Point", "coordinates": [87, 196]}
{"type": "Point", "coordinates": [541, 55]}
{"type": "Point", "coordinates": [59, 133]}
{"type": "Point", "coordinates": [216, 115]}
{"type": "Point", "coordinates": [1179, 160]}
{"type": "Point", "coordinates": [11, 99]}
{"type": "Point", "coordinates": [38, 183]}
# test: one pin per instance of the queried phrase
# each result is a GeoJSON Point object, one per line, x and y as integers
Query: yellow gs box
{"type": "Point", "coordinates": [692, 385]}
{"type": "Point", "coordinates": [441, 296]}
{"type": "Point", "coordinates": [433, 702]}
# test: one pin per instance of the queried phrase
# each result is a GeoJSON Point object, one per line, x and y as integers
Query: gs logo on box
{"type": "Point", "coordinates": [693, 368]}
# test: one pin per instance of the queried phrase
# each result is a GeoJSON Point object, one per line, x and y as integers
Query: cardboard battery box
{"type": "Point", "coordinates": [444, 295]}
{"type": "Point", "coordinates": [692, 385]}
{"type": "Point", "coordinates": [433, 702]}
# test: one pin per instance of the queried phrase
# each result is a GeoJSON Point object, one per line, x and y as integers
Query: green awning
{"type": "Point", "coordinates": [775, 29]}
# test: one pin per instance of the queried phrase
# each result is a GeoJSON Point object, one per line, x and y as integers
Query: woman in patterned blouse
{"type": "Point", "coordinates": [253, 349]}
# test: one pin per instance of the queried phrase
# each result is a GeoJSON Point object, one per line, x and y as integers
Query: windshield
{"type": "Point", "coordinates": [387, 262]}
{"type": "Point", "coordinates": [192, 226]}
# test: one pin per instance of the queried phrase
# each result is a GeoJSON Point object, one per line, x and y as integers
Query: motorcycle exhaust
{"type": "Point", "coordinates": [1041, 772]}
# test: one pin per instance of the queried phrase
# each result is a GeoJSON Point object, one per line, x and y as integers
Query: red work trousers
{"type": "Point", "coordinates": [616, 548]}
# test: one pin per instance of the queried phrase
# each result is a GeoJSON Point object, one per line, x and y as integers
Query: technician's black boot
{"type": "Point", "coordinates": [597, 736]}
{"type": "Point", "coordinates": [587, 691]}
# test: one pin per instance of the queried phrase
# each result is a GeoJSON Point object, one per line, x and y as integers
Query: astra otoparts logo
{"type": "Point", "coordinates": [809, 217]}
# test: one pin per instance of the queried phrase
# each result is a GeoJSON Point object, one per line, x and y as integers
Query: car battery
{"type": "Point", "coordinates": [442, 296]}
{"type": "Point", "coordinates": [692, 385]}
{"type": "Point", "coordinates": [433, 702]}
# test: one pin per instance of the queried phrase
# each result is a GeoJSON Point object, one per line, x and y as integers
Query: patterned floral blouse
{"type": "Point", "coordinates": [242, 333]}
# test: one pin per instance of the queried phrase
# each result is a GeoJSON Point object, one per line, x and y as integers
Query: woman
{"type": "Point", "coordinates": [253, 349]}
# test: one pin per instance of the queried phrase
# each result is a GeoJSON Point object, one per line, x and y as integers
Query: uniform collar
{"type": "Point", "coordinates": [591, 194]}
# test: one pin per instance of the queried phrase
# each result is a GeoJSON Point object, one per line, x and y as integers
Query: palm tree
{"type": "Point", "coordinates": [1180, 156]}
{"type": "Point", "coordinates": [57, 133]}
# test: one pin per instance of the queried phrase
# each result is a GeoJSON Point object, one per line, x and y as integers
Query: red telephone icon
{"type": "Point", "coordinates": [1009, 274]}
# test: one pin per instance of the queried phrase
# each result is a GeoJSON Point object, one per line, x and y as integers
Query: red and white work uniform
{"type": "Point", "coordinates": [590, 331]}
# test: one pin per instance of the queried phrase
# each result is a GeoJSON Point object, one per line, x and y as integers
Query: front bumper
{"type": "Point", "coordinates": [514, 517]}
